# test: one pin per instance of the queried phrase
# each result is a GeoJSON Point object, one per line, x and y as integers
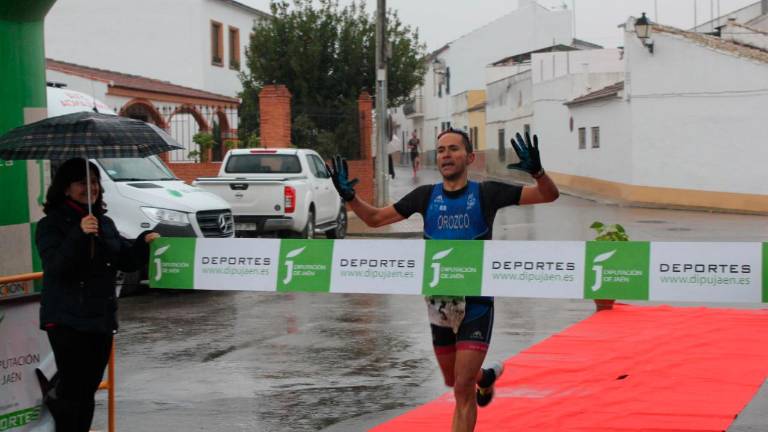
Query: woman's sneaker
{"type": "Point", "coordinates": [485, 394]}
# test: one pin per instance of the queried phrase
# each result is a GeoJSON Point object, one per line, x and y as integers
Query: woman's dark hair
{"type": "Point", "coordinates": [71, 171]}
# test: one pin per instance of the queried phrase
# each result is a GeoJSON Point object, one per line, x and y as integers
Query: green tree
{"type": "Point", "coordinates": [248, 112]}
{"type": "Point", "coordinates": [325, 55]}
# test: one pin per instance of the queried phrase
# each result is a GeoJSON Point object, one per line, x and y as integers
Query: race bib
{"type": "Point", "coordinates": [446, 311]}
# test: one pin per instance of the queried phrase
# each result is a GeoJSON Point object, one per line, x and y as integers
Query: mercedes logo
{"type": "Point", "coordinates": [223, 222]}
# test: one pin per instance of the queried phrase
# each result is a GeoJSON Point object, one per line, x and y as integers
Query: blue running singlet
{"type": "Point", "coordinates": [458, 218]}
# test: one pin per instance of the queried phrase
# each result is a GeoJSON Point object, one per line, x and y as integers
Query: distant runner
{"type": "Point", "coordinates": [414, 149]}
{"type": "Point", "coordinates": [459, 209]}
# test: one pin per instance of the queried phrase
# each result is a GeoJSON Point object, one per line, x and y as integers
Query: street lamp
{"type": "Point", "coordinates": [643, 31]}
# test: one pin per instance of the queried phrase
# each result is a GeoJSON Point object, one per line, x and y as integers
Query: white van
{"type": "Point", "coordinates": [143, 194]}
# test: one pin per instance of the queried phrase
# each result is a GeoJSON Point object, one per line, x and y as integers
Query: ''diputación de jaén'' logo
{"type": "Point", "coordinates": [305, 265]}
{"type": "Point", "coordinates": [616, 270]}
{"type": "Point", "coordinates": [172, 263]}
{"type": "Point", "coordinates": [453, 267]}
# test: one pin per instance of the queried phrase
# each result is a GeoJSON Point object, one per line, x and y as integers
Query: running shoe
{"type": "Point", "coordinates": [485, 394]}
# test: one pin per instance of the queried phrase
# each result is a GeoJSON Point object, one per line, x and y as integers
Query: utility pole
{"type": "Point", "coordinates": [574, 18]}
{"type": "Point", "coordinates": [695, 16]}
{"type": "Point", "coordinates": [380, 176]}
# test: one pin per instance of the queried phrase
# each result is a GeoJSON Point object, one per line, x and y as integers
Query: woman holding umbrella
{"type": "Point", "coordinates": [81, 252]}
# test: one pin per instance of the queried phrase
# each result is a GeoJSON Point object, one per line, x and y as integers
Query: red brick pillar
{"type": "Point", "coordinates": [362, 169]}
{"type": "Point", "coordinates": [365, 109]}
{"type": "Point", "coordinates": [275, 115]}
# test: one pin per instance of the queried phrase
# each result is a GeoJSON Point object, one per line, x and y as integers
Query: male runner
{"type": "Point", "coordinates": [461, 327]}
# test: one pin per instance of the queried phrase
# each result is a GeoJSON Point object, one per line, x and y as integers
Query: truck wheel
{"type": "Point", "coordinates": [309, 229]}
{"type": "Point", "coordinates": [341, 225]}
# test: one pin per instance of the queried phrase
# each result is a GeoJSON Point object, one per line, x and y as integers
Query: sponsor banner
{"type": "Point", "coordinates": [376, 267]}
{"type": "Point", "coordinates": [305, 265]}
{"type": "Point", "coordinates": [172, 263]}
{"type": "Point", "coordinates": [453, 267]}
{"type": "Point", "coordinates": [616, 270]}
{"type": "Point", "coordinates": [663, 271]}
{"type": "Point", "coordinates": [543, 269]}
{"type": "Point", "coordinates": [235, 264]}
{"type": "Point", "coordinates": [717, 272]}
{"type": "Point", "coordinates": [22, 349]}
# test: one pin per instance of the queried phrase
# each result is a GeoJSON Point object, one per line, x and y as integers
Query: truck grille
{"type": "Point", "coordinates": [215, 223]}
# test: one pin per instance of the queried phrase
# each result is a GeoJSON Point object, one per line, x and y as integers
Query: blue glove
{"type": "Point", "coordinates": [530, 159]}
{"type": "Point", "coordinates": [340, 176]}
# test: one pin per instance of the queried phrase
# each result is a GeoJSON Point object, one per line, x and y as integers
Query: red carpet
{"type": "Point", "coordinates": [630, 369]}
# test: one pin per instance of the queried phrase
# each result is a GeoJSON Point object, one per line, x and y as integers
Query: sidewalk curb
{"type": "Point", "coordinates": [621, 203]}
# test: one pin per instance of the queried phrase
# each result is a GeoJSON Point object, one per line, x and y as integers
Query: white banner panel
{"type": "Point", "coordinates": [236, 264]}
{"type": "Point", "coordinates": [543, 269]}
{"type": "Point", "coordinates": [378, 267]}
{"type": "Point", "coordinates": [720, 272]}
{"type": "Point", "coordinates": [23, 346]}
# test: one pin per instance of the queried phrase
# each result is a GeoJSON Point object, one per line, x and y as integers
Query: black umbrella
{"type": "Point", "coordinates": [89, 135]}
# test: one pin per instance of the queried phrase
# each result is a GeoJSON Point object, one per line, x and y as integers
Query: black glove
{"type": "Point", "coordinates": [340, 176]}
{"type": "Point", "coordinates": [530, 160]}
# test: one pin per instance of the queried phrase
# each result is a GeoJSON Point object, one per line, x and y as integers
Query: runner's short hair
{"type": "Point", "coordinates": [464, 137]}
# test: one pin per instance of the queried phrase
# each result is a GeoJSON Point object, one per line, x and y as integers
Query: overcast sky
{"type": "Point", "coordinates": [441, 21]}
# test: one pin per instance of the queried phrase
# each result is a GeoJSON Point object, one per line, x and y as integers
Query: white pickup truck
{"type": "Point", "coordinates": [281, 192]}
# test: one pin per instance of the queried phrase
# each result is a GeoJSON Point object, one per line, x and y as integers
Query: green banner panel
{"type": "Point", "coordinates": [453, 267]}
{"type": "Point", "coordinates": [616, 270]}
{"type": "Point", "coordinates": [13, 199]}
{"type": "Point", "coordinates": [765, 273]}
{"type": "Point", "coordinates": [172, 263]}
{"type": "Point", "coordinates": [305, 265]}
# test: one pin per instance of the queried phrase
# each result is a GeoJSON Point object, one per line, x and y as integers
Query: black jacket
{"type": "Point", "coordinates": [79, 291]}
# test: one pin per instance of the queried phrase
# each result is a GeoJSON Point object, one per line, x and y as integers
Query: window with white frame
{"type": "Point", "coordinates": [596, 137]}
{"type": "Point", "coordinates": [582, 138]}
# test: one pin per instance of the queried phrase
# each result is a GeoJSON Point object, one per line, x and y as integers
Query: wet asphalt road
{"type": "Point", "coordinates": [240, 361]}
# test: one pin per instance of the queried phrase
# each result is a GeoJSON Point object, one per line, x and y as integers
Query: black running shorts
{"type": "Point", "coordinates": [472, 335]}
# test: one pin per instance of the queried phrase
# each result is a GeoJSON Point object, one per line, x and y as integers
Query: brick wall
{"type": "Point", "coordinates": [275, 115]}
{"type": "Point", "coordinates": [190, 171]}
{"type": "Point", "coordinates": [363, 169]}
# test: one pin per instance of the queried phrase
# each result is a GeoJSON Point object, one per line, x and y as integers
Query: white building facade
{"type": "Point", "coordinates": [193, 43]}
{"type": "Point", "coordinates": [687, 126]}
{"type": "Point", "coordinates": [460, 65]}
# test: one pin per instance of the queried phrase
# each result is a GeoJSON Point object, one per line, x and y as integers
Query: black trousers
{"type": "Point", "coordinates": [391, 166]}
{"type": "Point", "coordinates": [80, 359]}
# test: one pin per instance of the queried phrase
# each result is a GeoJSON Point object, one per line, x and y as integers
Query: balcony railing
{"type": "Point", "coordinates": [414, 108]}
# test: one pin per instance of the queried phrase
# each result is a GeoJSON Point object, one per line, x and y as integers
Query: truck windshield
{"type": "Point", "coordinates": [263, 163]}
{"type": "Point", "coordinates": [136, 169]}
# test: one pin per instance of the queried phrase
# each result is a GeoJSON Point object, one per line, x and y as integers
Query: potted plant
{"type": "Point", "coordinates": [605, 232]}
